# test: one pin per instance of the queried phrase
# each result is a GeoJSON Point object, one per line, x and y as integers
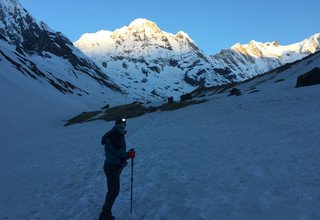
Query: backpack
{"type": "Point", "coordinates": [114, 137]}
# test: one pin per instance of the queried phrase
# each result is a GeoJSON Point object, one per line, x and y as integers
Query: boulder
{"type": "Point", "coordinates": [235, 91]}
{"type": "Point", "coordinates": [309, 78]}
{"type": "Point", "coordinates": [185, 97]}
{"type": "Point", "coordinates": [106, 106]}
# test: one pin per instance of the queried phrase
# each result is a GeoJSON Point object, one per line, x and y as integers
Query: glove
{"type": "Point", "coordinates": [131, 153]}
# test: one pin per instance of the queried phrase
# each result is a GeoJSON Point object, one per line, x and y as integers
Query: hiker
{"type": "Point", "coordinates": [116, 159]}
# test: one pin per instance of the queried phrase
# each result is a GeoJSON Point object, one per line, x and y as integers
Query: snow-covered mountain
{"type": "Point", "coordinates": [33, 50]}
{"type": "Point", "coordinates": [144, 59]}
{"type": "Point", "coordinates": [245, 61]}
{"type": "Point", "coordinates": [148, 61]}
{"type": "Point", "coordinates": [138, 62]}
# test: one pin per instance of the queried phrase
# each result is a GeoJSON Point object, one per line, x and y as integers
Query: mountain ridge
{"type": "Point", "coordinates": [36, 51]}
{"type": "Point", "coordinates": [142, 48]}
{"type": "Point", "coordinates": [256, 58]}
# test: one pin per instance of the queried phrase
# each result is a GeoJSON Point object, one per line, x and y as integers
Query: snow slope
{"type": "Point", "coordinates": [254, 156]}
{"type": "Point", "coordinates": [29, 48]}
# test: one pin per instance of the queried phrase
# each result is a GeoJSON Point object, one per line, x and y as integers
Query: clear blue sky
{"type": "Point", "coordinates": [212, 24]}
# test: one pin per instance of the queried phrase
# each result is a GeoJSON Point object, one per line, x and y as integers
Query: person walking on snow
{"type": "Point", "coordinates": [116, 159]}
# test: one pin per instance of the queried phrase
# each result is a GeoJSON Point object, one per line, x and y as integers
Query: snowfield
{"type": "Point", "coordinates": [254, 156]}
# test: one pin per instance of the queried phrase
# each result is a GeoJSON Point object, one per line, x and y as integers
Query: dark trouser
{"type": "Point", "coordinates": [113, 181]}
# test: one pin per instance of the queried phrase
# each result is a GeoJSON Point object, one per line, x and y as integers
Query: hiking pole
{"type": "Point", "coordinates": [131, 185]}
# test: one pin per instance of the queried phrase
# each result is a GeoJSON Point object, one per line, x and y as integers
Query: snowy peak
{"type": "Point", "coordinates": [140, 29]}
{"type": "Point", "coordinates": [274, 49]}
{"type": "Point", "coordinates": [182, 35]}
{"type": "Point", "coordinates": [140, 22]}
{"type": "Point", "coordinates": [143, 24]}
{"type": "Point", "coordinates": [99, 38]}
{"type": "Point", "coordinates": [141, 37]}
{"type": "Point", "coordinates": [244, 61]}
{"type": "Point", "coordinates": [150, 61]}
{"type": "Point", "coordinates": [310, 45]}
{"type": "Point", "coordinates": [140, 25]}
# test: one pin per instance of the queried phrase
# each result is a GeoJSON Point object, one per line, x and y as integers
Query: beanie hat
{"type": "Point", "coordinates": [120, 120]}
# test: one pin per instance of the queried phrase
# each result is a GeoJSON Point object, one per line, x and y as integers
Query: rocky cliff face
{"type": "Point", "coordinates": [36, 51]}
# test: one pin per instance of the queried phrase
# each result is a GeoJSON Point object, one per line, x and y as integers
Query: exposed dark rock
{"type": "Point", "coordinates": [223, 72]}
{"type": "Point", "coordinates": [195, 63]}
{"type": "Point", "coordinates": [57, 86]}
{"type": "Point", "coordinates": [173, 62]}
{"type": "Point", "coordinates": [137, 103]}
{"type": "Point", "coordinates": [145, 71]}
{"type": "Point", "coordinates": [124, 65]}
{"type": "Point", "coordinates": [200, 72]}
{"type": "Point", "coordinates": [234, 92]}
{"type": "Point", "coordinates": [19, 67]}
{"type": "Point", "coordinates": [115, 58]}
{"type": "Point", "coordinates": [185, 97]}
{"type": "Point", "coordinates": [227, 73]}
{"type": "Point", "coordinates": [144, 80]}
{"type": "Point", "coordinates": [104, 64]}
{"type": "Point", "coordinates": [170, 99]}
{"type": "Point", "coordinates": [284, 67]}
{"type": "Point", "coordinates": [197, 50]}
{"type": "Point", "coordinates": [132, 110]}
{"type": "Point", "coordinates": [155, 68]}
{"type": "Point", "coordinates": [154, 93]}
{"type": "Point", "coordinates": [309, 78]}
{"type": "Point", "coordinates": [252, 88]}
{"type": "Point", "coordinates": [279, 80]}
{"type": "Point", "coordinates": [2, 37]}
{"type": "Point", "coordinates": [84, 116]}
{"type": "Point", "coordinates": [106, 106]}
{"type": "Point", "coordinates": [254, 91]}
{"type": "Point", "coordinates": [194, 81]}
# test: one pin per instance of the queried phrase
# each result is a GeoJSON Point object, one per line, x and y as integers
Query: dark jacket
{"type": "Point", "coordinates": [115, 147]}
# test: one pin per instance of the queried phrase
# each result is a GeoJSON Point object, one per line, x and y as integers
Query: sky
{"type": "Point", "coordinates": [212, 24]}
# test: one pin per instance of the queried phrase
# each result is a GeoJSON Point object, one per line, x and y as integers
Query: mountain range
{"type": "Point", "coordinates": [139, 62]}
{"type": "Point", "coordinates": [144, 59]}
